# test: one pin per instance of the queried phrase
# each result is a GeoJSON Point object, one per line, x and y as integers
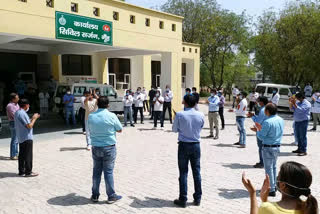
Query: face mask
{"type": "Point", "coordinates": [187, 93]}
{"type": "Point", "coordinates": [157, 95]}
{"type": "Point", "coordinates": [212, 94]}
{"type": "Point", "coordinates": [68, 92]}
{"type": "Point", "coordinates": [138, 92]}
{"type": "Point", "coordinates": [168, 89]}
{"type": "Point", "coordinates": [127, 94]}
{"type": "Point", "coordinates": [27, 109]}
{"type": "Point", "coordinates": [259, 105]}
{"type": "Point", "coordinates": [274, 92]}
{"type": "Point", "coordinates": [241, 97]}
{"type": "Point", "coordinates": [219, 94]}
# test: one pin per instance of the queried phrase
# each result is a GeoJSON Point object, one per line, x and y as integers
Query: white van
{"type": "Point", "coordinates": [77, 89]}
{"type": "Point", "coordinates": [285, 91]}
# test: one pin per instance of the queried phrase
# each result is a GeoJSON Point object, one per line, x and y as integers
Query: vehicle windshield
{"type": "Point", "coordinates": [79, 90]}
{"type": "Point", "coordinates": [108, 91]}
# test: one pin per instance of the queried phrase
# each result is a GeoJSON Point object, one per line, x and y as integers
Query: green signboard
{"type": "Point", "coordinates": [83, 29]}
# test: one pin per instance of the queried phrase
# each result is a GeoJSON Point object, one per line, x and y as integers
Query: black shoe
{"type": "Point", "coordinates": [196, 203]}
{"type": "Point", "coordinates": [94, 199]}
{"type": "Point", "coordinates": [312, 130]}
{"type": "Point", "coordinates": [22, 174]}
{"type": "Point", "coordinates": [237, 144]}
{"type": "Point", "coordinates": [272, 194]}
{"type": "Point", "coordinates": [296, 151]}
{"type": "Point", "coordinates": [258, 166]}
{"type": "Point", "coordinates": [132, 125]}
{"type": "Point", "coordinates": [179, 203]}
{"type": "Point", "coordinates": [142, 122]}
{"type": "Point", "coordinates": [302, 154]}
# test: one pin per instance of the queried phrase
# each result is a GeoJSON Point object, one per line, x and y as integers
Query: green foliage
{"type": "Point", "coordinates": [204, 94]}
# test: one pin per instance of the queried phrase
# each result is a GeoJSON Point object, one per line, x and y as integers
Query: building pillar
{"type": "Point", "coordinates": [140, 72]}
{"type": "Point", "coordinates": [55, 66]}
{"type": "Point", "coordinates": [193, 74]}
{"type": "Point", "coordinates": [105, 71]}
{"type": "Point", "coordinates": [171, 75]}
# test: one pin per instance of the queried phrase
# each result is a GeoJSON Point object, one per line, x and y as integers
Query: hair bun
{"type": "Point", "coordinates": [306, 192]}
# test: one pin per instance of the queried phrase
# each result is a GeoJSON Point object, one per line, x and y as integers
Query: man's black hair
{"type": "Point", "coordinates": [86, 92]}
{"type": "Point", "coordinates": [271, 108]}
{"type": "Point", "coordinates": [190, 100]}
{"type": "Point", "coordinates": [244, 94]}
{"type": "Point", "coordinates": [13, 96]}
{"type": "Point", "coordinates": [263, 99]}
{"type": "Point", "coordinates": [103, 102]}
{"type": "Point", "coordinates": [300, 95]}
{"type": "Point", "coordinates": [194, 88]}
{"type": "Point", "coordinates": [23, 102]}
{"type": "Point", "coordinates": [188, 89]}
{"type": "Point", "coordinates": [214, 90]}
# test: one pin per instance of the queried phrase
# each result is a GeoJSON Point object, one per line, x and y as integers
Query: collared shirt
{"type": "Point", "coordinates": [275, 99]}
{"type": "Point", "coordinates": [308, 91]}
{"type": "Point", "coordinates": [168, 96]}
{"type": "Point", "coordinates": [242, 108]}
{"type": "Point", "coordinates": [21, 120]}
{"type": "Point", "coordinates": [272, 130]}
{"type": "Point", "coordinates": [316, 104]}
{"type": "Point", "coordinates": [158, 106]}
{"type": "Point", "coordinates": [222, 101]}
{"type": "Point", "coordinates": [11, 109]}
{"type": "Point", "coordinates": [82, 99]}
{"type": "Point", "coordinates": [261, 117]}
{"type": "Point", "coordinates": [235, 92]}
{"type": "Point", "coordinates": [302, 112]}
{"type": "Point", "coordinates": [253, 96]}
{"type": "Point", "coordinates": [90, 106]}
{"type": "Point", "coordinates": [188, 124]}
{"type": "Point", "coordinates": [138, 100]}
{"type": "Point", "coordinates": [103, 126]}
{"type": "Point", "coordinates": [70, 98]}
{"type": "Point", "coordinates": [214, 103]}
{"type": "Point", "coordinates": [127, 100]}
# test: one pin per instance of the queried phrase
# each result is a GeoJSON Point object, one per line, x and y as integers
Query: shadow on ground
{"type": "Point", "coordinates": [5, 158]}
{"type": "Point", "coordinates": [8, 175]}
{"type": "Point", "coordinates": [224, 145]}
{"type": "Point", "coordinates": [233, 193]}
{"type": "Point", "coordinates": [150, 203]}
{"type": "Point", "coordinates": [73, 133]}
{"type": "Point", "coordinates": [237, 166]}
{"type": "Point", "coordinates": [71, 149]}
{"type": "Point", "coordinates": [71, 200]}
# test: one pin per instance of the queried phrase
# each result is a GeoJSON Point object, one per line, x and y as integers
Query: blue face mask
{"type": "Point", "coordinates": [274, 92]}
{"type": "Point", "coordinates": [219, 94]}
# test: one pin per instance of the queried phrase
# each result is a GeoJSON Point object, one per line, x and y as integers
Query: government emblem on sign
{"type": "Point", "coordinates": [105, 38]}
{"type": "Point", "coordinates": [106, 28]}
{"type": "Point", "coordinates": [62, 20]}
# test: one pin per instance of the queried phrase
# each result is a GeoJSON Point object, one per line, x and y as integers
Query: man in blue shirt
{"type": "Point", "coordinates": [189, 124]}
{"type": "Point", "coordinates": [68, 100]}
{"type": "Point", "coordinates": [262, 102]}
{"type": "Point", "coordinates": [271, 132]}
{"type": "Point", "coordinates": [213, 114]}
{"type": "Point", "coordinates": [103, 126]}
{"type": "Point", "coordinates": [301, 117]}
{"type": "Point", "coordinates": [24, 131]}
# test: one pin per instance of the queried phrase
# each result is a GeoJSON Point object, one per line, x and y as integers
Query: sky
{"type": "Point", "coordinates": [252, 7]}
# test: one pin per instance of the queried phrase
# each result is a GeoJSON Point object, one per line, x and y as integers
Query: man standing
{"type": "Point", "coordinates": [138, 103]}
{"type": "Point", "coordinates": [262, 102]}
{"type": "Point", "coordinates": [197, 95]}
{"type": "Point", "coordinates": [221, 108]}
{"type": "Point", "coordinates": [12, 107]}
{"type": "Point", "coordinates": [127, 102]}
{"type": "Point", "coordinates": [275, 97]}
{"type": "Point", "coordinates": [145, 100]}
{"type": "Point", "coordinates": [103, 126]}
{"type": "Point", "coordinates": [189, 124]}
{"type": "Point", "coordinates": [253, 96]}
{"type": "Point", "coordinates": [82, 111]}
{"type": "Point", "coordinates": [271, 132]}
{"type": "Point", "coordinates": [168, 96]}
{"type": "Point", "coordinates": [152, 94]}
{"type": "Point", "coordinates": [44, 104]}
{"type": "Point", "coordinates": [301, 117]}
{"type": "Point", "coordinates": [213, 114]}
{"type": "Point", "coordinates": [308, 90]}
{"type": "Point", "coordinates": [90, 105]}
{"type": "Point", "coordinates": [158, 108]}
{"type": "Point", "coordinates": [316, 110]}
{"type": "Point", "coordinates": [24, 129]}
{"type": "Point", "coordinates": [240, 118]}
{"type": "Point", "coordinates": [235, 93]}
{"type": "Point", "coordinates": [68, 100]}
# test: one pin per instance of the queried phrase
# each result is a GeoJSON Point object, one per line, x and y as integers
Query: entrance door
{"type": "Point", "coordinates": [112, 80]}
{"type": "Point", "coordinates": [158, 80]}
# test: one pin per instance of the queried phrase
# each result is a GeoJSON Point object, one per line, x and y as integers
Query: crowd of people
{"type": "Point", "coordinates": [100, 127]}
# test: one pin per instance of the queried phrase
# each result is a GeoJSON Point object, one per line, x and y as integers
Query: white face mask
{"type": "Point", "coordinates": [241, 97]}
{"type": "Point", "coordinates": [68, 92]}
{"type": "Point", "coordinates": [27, 109]}
{"type": "Point", "coordinates": [212, 94]}
{"type": "Point", "coordinates": [158, 95]}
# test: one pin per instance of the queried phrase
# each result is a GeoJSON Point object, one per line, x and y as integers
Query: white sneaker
{"type": "Point", "coordinates": [89, 147]}
{"type": "Point", "coordinates": [84, 133]}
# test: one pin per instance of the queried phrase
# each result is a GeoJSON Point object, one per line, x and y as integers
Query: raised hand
{"type": "Point", "coordinates": [248, 185]}
{"type": "Point", "coordinates": [265, 189]}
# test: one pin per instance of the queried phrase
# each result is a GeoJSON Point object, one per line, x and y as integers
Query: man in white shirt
{"type": "Point", "coordinates": [158, 101]}
{"type": "Point", "coordinates": [145, 101]}
{"type": "Point", "coordinates": [253, 96]}
{"type": "Point", "coordinates": [308, 90]}
{"type": "Point", "coordinates": [235, 93]}
{"type": "Point", "coordinates": [240, 118]}
{"type": "Point", "coordinates": [315, 110]}
{"type": "Point", "coordinates": [44, 104]}
{"type": "Point", "coordinates": [275, 97]}
{"type": "Point", "coordinates": [138, 103]}
{"type": "Point", "coordinates": [91, 105]}
{"type": "Point", "coordinates": [127, 105]}
{"type": "Point", "coordinates": [168, 96]}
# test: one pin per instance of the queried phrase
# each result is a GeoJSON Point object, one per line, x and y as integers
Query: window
{"type": "Point", "coordinates": [270, 90]}
{"type": "Point", "coordinates": [284, 91]}
{"type": "Point", "coordinates": [184, 49]}
{"type": "Point", "coordinates": [74, 7]}
{"type": "Point", "coordinates": [76, 65]}
{"type": "Point", "coordinates": [23, 0]}
{"type": "Point", "coordinates": [112, 80]}
{"type": "Point", "coordinates": [49, 3]}
{"type": "Point", "coordinates": [190, 50]}
{"type": "Point", "coordinates": [79, 90]}
{"type": "Point", "coordinates": [184, 75]}
{"type": "Point", "coordinates": [147, 22]}
{"type": "Point", "coordinates": [132, 19]}
{"type": "Point", "coordinates": [161, 25]}
{"type": "Point", "coordinates": [174, 27]}
{"type": "Point", "coordinates": [96, 11]}
{"type": "Point", "coordinates": [108, 91]}
{"type": "Point", "coordinates": [261, 89]}
{"type": "Point", "coordinates": [116, 16]}
{"type": "Point", "coordinates": [196, 50]}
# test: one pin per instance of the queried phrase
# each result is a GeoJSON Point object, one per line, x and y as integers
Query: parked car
{"type": "Point", "coordinates": [77, 89]}
{"type": "Point", "coordinates": [285, 92]}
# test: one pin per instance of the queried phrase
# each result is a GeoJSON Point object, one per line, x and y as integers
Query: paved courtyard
{"type": "Point", "coordinates": [146, 172]}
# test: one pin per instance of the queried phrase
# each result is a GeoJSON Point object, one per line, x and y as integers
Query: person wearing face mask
{"type": "Point", "coordinates": [221, 108]}
{"type": "Point", "coordinates": [24, 129]}
{"type": "Point", "coordinates": [308, 90]}
{"type": "Point", "coordinates": [68, 100]}
{"type": "Point", "coordinates": [213, 114]}
{"type": "Point", "coordinates": [240, 118]}
{"type": "Point", "coordinates": [12, 107]}
{"type": "Point", "coordinates": [168, 96]}
{"type": "Point", "coordinates": [138, 103]}
{"type": "Point", "coordinates": [275, 97]}
{"type": "Point", "coordinates": [158, 101]}
{"type": "Point", "coordinates": [315, 109]}
{"type": "Point", "coordinates": [127, 102]}
{"type": "Point", "coordinates": [293, 182]}
{"type": "Point", "coordinates": [301, 118]}
{"type": "Point", "coordinates": [197, 95]}
{"type": "Point", "coordinates": [90, 105]}
{"type": "Point", "coordinates": [270, 132]}
{"type": "Point", "coordinates": [262, 102]}
{"type": "Point", "coordinates": [253, 96]}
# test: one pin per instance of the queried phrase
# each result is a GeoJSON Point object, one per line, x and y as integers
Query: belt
{"type": "Point", "coordinates": [213, 111]}
{"type": "Point", "coordinates": [104, 146]}
{"type": "Point", "coordinates": [270, 146]}
{"type": "Point", "coordinates": [191, 143]}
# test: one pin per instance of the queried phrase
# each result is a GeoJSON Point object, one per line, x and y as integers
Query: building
{"type": "Point", "coordinates": [103, 41]}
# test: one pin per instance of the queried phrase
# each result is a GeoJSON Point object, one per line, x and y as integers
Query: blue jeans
{"type": "Point", "coordinates": [103, 160]}
{"type": "Point", "coordinates": [14, 140]}
{"type": "Point", "coordinates": [69, 112]}
{"type": "Point", "coordinates": [88, 134]}
{"type": "Point", "coordinates": [127, 111]}
{"type": "Point", "coordinates": [270, 157]}
{"type": "Point", "coordinates": [301, 129]}
{"type": "Point", "coordinates": [295, 133]}
{"type": "Point", "coordinates": [189, 152]}
{"type": "Point", "coordinates": [259, 142]}
{"type": "Point", "coordinates": [241, 129]}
